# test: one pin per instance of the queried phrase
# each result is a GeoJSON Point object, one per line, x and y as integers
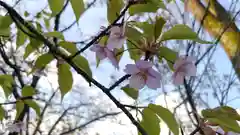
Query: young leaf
{"type": "Point", "coordinates": [28, 91]}
{"type": "Point", "coordinates": [43, 60]}
{"type": "Point", "coordinates": [82, 63]}
{"type": "Point", "coordinates": [113, 9]}
{"type": "Point", "coordinates": [21, 38]}
{"type": "Point", "coordinates": [150, 6]}
{"type": "Point", "coordinates": [182, 32]}
{"type": "Point", "coordinates": [19, 108]}
{"type": "Point", "coordinates": [33, 105]}
{"type": "Point", "coordinates": [2, 113]}
{"type": "Point", "coordinates": [160, 22]}
{"type": "Point", "coordinates": [55, 34]}
{"type": "Point", "coordinates": [78, 7]}
{"type": "Point", "coordinates": [150, 122]}
{"type": "Point", "coordinates": [131, 92]}
{"type": "Point", "coordinates": [166, 116]}
{"type": "Point", "coordinates": [56, 6]}
{"type": "Point", "coordinates": [70, 47]}
{"type": "Point", "coordinates": [65, 78]}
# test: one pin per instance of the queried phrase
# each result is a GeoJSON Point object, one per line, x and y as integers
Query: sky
{"type": "Point", "coordinates": [90, 24]}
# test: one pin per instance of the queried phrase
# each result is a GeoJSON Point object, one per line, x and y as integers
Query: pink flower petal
{"type": "Point", "coordinates": [153, 83]}
{"type": "Point", "coordinates": [112, 58]}
{"type": "Point", "coordinates": [178, 78]}
{"type": "Point", "coordinates": [96, 48]}
{"type": "Point", "coordinates": [154, 73]}
{"type": "Point", "coordinates": [131, 69]}
{"type": "Point", "coordinates": [141, 64]}
{"type": "Point", "coordinates": [101, 55]}
{"type": "Point", "coordinates": [178, 63]}
{"type": "Point", "coordinates": [115, 42]}
{"type": "Point", "coordinates": [190, 70]}
{"type": "Point", "coordinates": [137, 81]}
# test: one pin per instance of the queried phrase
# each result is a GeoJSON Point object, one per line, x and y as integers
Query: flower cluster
{"type": "Point", "coordinates": [115, 41]}
{"type": "Point", "coordinates": [142, 72]}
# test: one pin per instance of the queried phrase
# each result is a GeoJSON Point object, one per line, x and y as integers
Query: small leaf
{"type": "Point", "coordinates": [131, 92]}
{"type": "Point", "coordinates": [43, 60]}
{"type": "Point", "coordinates": [28, 91]}
{"type": "Point", "coordinates": [26, 14]}
{"type": "Point", "coordinates": [19, 108]}
{"type": "Point", "coordinates": [65, 79]}
{"type": "Point", "coordinates": [150, 122]}
{"type": "Point", "coordinates": [56, 6]}
{"type": "Point", "coordinates": [2, 113]}
{"type": "Point", "coordinates": [70, 47]}
{"type": "Point", "coordinates": [166, 116]}
{"type": "Point", "coordinates": [82, 63]}
{"type": "Point", "coordinates": [21, 38]}
{"type": "Point", "coordinates": [33, 105]}
{"type": "Point", "coordinates": [160, 22]}
{"type": "Point", "coordinates": [78, 7]}
{"type": "Point", "coordinates": [55, 34]}
{"type": "Point", "coordinates": [113, 9]}
{"type": "Point", "coordinates": [182, 32]}
{"type": "Point", "coordinates": [148, 7]}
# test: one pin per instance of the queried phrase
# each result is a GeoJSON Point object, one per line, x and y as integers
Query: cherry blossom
{"type": "Point", "coordinates": [103, 52]}
{"type": "Point", "coordinates": [116, 38]}
{"type": "Point", "coordinates": [16, 127]}
{"type": "Point", "coordinates": [183, 67]}
{"type": "Point", "coordinates": [143, 74]}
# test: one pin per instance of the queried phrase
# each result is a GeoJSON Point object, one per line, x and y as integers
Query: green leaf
{"type": "Point", "coordinates": [166, 116]}
{"type": "Point", "coordinates": [5, 22]}
{"type": "Point", "coordinates": [2, 113]}
{"type": "Point", "coordinates": [31, 47]}
{"type": "Point", "coordinates": [131, 92]}
{"type": "Point", "coordinates": [150, 122]}
{"type": "Point", "coordinates": [113, 9]}
{"type": "Point", "coordinates": [26, 14]}
{"type": "Point", "coordinates": [134, 53]}
{"type": "Point", "coordinates": [28, 91]}
{"type": "Point", "coordinates": [55, 34]}
{"type": "Point", "coordinates": [33, 105]}
{"type": "Point", "coordinates": [65, 78]}
{"type": "Point", "coordinates": [47, 23]}
{"type": "Point", "coordinates": [82, 63]}
{"type": "Point", "coordinates": [43, 60]}
{"type": "Point", "coordinates": [148, 30]}
{"type": "Point", "coordinates": [56, 6]}
{"type": "Point", "coordinates": [19, 108]}
{"type": "Point", "coordinates": [182, 32]}
{"type": "Point", "coordinates": [21, 38]}
{"type": "Point", "coordinates": [151, 6]}
{"type": "Point", "coordinates": [225, 122]}
{"type": "Point", "coordinates": [160, 22]}
{"type": "Point", "coordinates": [6, 82]}
{"type": "Point", "coordinates": [133, 34]}
{"type": "Point", "coordinates": [70, 47]}
{"type": "Point", "coordinates": [78, 7]}
{"type": "Point", "coordinates": [168, 54]}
